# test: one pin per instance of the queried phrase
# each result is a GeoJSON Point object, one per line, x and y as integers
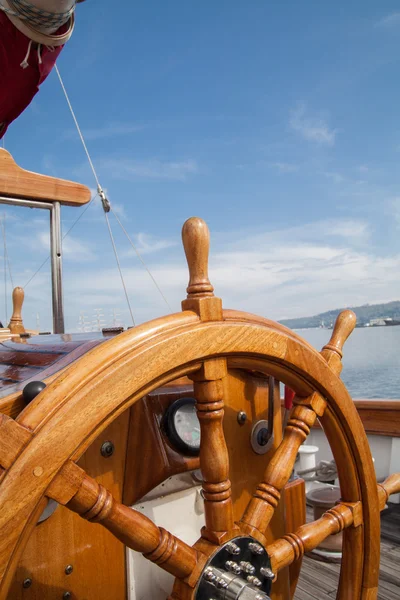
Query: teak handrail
{"type": "Point", "coordinates": [18, 183]}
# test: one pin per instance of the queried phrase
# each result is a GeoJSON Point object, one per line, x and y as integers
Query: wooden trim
{"type": "Point", "coordinates": [379, 416]}
{"type": "Point", "coordinates": [18, 183]}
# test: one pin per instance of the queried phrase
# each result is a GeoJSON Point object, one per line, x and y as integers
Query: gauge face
{"type": "Point", "coordinates": [182, 426]}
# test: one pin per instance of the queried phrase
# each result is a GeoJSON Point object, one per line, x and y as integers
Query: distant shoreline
{"type": "Point", "coordinates": [368, 315]}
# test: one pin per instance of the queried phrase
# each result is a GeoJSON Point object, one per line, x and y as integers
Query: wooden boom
{"type": "Point", "coordinates": [18, 183]}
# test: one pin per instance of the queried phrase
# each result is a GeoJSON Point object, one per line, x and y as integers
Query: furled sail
{"type": "Point", "coordinates": [32, 35]}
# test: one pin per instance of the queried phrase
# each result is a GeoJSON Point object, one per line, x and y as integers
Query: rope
{"type": "Point", "coordinates": [106, 205]}
{"type": "Point", "coordinates": [69, 230]}
{"type": "Point", "coordinates": [142, 261]}
{"type": "Point", "coordinates": [119, 266]}
{"type": "Point", "coordinates": [99, 188]}
{"type": "Point", "coordinates": [36, 16]}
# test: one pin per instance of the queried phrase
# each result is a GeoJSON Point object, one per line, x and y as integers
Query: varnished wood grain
{"type": "Point", "coordinates": [214, 458]}
{"type": "Point", "coordinates": [250, 393]}
{"type": "Point", "coordinates": [97, 557]}
{"type": "Point", "coordinates": [18, 183]}
{"type": "Point", "coordinates": [294, 545]}
{"type": "Point", "coordinates": [295, 516]}
{"type": "Point", "coordinates": [111, 366]}
{"type": "Point", "coordinates": [158, 459]}
{"type": "Point", "coordinates": [266, 498]}
{"type": "Point", "coordinates": [74, 409]}
{"type": "Point", "coordinates": [16, 325]}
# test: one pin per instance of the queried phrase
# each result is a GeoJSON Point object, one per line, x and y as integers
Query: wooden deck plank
{"type": "Point", "coordinates": [319, 580]}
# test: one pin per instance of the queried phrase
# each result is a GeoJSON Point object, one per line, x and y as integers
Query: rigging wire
{"type": "Point", "coordinates": [106, 205]}
{"type": "Point", "coordinates": [141, 260]}
{"type": "Point", "coordinates": [78, 128]}
{"type": "Point", "coordinates": [119, 266]}
{"type": "Point", "coordinates": [99, 188]}
{"type": "Point", "coordinates": [64, 236]}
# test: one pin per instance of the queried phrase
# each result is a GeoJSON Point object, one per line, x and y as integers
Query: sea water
{"type": "Point", "coordinates": [371, 360]}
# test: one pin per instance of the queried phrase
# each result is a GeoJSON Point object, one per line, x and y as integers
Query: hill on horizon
{"type": "Point", "coordinates": [364, 314]}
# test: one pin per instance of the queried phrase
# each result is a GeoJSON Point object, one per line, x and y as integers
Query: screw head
{"type": "Point", "coordinates": [27, 583]}
{"type": "Point", "coordinates": [69, 569]}
{"type": "Point", "coordinates": [267, 572]}
{"type": "Point", "coordinates": [107, 449]}
{"type": "Point", "coordinates": [233, 548]}
{"type": "Point", "coordinates": [233, 567]}
{"type": "Point", "coordinates": [254, 580]}
{"type": "Point", "coordinates": [242, 417]}
{"type": "Point", "coordinates": [256, 548]}
{"type": "Point", "coordinates": [209, 575]}
{"type": "Point", "coordinates": [247, 567]}
{"type": "Point", "coordinates": [67, 595]}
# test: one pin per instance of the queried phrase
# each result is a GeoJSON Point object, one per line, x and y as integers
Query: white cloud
{"type": "Point", "coordinates": [148, 244]}
{"type": "Point", "coordinates": [286, 273]}
{"type": "Point", "coordinates": [391, 20]}
{"type": "Point", "coordinates": [73, 249]}
{"type": "Point", "coordinates": [150, 169]}
{"type": "Point", "coordinates": [312, 128]}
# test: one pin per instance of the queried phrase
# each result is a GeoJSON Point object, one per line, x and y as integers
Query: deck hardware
{"type": "Point", "coordinates": [67, 595]}
{"type": "Point", "coordinates": [233, 548]}
{"type": "Point", "coordinates": [48, 511]}
{"type": "Point", "coordinates": [256, 548]}
{"type": "Point", "coordinates": [233, 579]}
{"type": "Point", "coordinates": [233, 567]}
{"type": "Point", "coordinates": [69, 569]}
{"type": "Point", "coordinates": [27, 583]}
{"type": "Point", "coordinates": [261, 438]}
{"type": "Point", "coordinates": [242, 417]}
{"type": "Point", "coordinates": [107, 449]}
{"type": "Point", "coordinates": [31, 390]}
{"type": "Point", "coordinates": [112, 330]}
{"type": "Point", "coordinates": [247, 567]}
{"type": "Point", "coordinates": [209, 575]}
{"type": "Point", "coordinates": [267, 573]}
{"type": "Point", "coordinates": [254, 581]}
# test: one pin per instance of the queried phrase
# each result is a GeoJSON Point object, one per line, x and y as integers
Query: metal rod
{"type": "Point", "coordinates": [55, 253]}
{"type": "Point", "coordinates": [56, 268]}
{"type": "Point", "coordinates": [26, 203]}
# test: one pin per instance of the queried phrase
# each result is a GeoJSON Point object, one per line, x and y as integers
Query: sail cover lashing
{"type": "Point", "coordinates": [32, 35]}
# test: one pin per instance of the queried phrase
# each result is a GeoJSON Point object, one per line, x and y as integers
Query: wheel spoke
{"type": "Point", "coordinates": [214, 458]}
{"type": "Point", "coordinates": [261, 507]}
{"type": "Point", "coordinates": [96, 504]}
{"type": "Point", "coordinates": [293, 546]}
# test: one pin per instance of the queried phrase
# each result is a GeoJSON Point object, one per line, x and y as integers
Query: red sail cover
{"type": "Point", "coordinates": [18, 85]}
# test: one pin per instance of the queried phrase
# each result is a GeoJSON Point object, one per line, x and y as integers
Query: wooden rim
{"type": "Point", "coordinates": [78, 405]}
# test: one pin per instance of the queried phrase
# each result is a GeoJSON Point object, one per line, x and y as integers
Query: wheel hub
{"type": "Point", "coordinates": [239, 570]}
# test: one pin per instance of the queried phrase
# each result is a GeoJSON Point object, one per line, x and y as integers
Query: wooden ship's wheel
{"type": "Point", "coordinates": [233, 559]}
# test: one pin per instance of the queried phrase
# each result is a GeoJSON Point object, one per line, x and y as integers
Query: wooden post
{"type": "Point", "coordinates": [16, 325]}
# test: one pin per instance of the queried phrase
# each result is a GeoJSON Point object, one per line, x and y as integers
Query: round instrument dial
{"type": "Point", "coordinates": [182, 426]}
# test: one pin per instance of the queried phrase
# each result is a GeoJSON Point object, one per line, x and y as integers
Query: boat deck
{"type": "Point", "coordinates": [319, 580]}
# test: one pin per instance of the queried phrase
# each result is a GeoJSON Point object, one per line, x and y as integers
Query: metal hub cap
{"type": "Point", "coordinates": [239, 570]}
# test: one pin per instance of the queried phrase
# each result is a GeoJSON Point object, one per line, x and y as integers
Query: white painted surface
{"type": "Point", "coordinates": [181, 513]}
{"type": "Point", "coordinates": [381, 448]}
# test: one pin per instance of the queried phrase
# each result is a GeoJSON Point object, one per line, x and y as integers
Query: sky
{"type": "Point", "coordinates": [277, 123]}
